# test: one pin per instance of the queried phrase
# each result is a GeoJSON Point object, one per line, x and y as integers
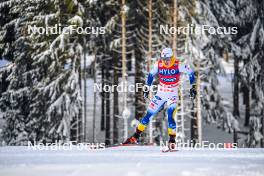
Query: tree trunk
{"type": "Point", "coordinates": [262, 128]}
{"type": "Point", "coordinates": [94, 98]}
{"type": "Point", "coordinates": [115, 104]}
{"type": "Point", "coordinates": [194, 120]}
{"type": "Point", "coordinates": [194, 129]}
{"type": "Point", "coordinates": [236, 88]}
{"type": "Point", "coordinates": [103, 99]}
{"type": "Point", "coordinates": [107, 113]}
{"type": "Point", "coordinates": [175, 19]}
{"type": "Point", "coordinates": [246, 92]}
{"type": "Point", "coordinates": [79, 118]}
{"type": "Point", "coordinates": [139, 78]}
{"type": "Point", "coordinates": [247, 104]}
{"type": "Point", "coordinates": [124, 64]}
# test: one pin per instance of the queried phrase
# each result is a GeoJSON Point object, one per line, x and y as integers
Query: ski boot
{"type": "Point", "coordinates": [133, 139]}
{"type": "Point", "coordinates": [172, 142]}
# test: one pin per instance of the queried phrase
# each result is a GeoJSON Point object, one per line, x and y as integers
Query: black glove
{"type": "Point", "coordinates": [193, 92]}
{"type": "Point", "coordinates": [146, 93]}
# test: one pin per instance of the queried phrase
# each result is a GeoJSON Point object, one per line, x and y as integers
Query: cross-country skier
{"type": "Point", "coordinates": [168, 70]}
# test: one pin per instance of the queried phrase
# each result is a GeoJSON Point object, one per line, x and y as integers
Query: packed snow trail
{"type": "Point", "coordinates": [131, 161]}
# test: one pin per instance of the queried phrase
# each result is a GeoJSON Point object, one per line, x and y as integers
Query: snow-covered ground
{"type": "Point", "coordinates": [131, 161]}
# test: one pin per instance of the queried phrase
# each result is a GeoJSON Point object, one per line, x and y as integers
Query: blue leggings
{"type": "Point", "coordinates": [154, 107]}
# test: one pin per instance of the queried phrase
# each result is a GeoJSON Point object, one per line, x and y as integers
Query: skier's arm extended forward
{"type": "Point", "coordinates": [186, 69]}
{"type": "Point", "coordinates": [153, 72]}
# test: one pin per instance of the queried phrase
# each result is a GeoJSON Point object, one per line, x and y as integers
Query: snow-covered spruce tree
{"type": "Point", "coordinates": [226, 13]}
{"type": "Point", "coordinates": [205, 49]}
{"type": "Point", "coordinates": [60, 85]}
{"type": "Point", "coordinates": [251, 44]}
{"type": "Point", "coordinates": [5, 72]}
{"type": "Point", "coordinates": [247, 48]}
{"type": "Point", "coordinates": [7, 25]}
{"type": "Point", "coordinates": [43, 97]}
{"type": "Point", "coordinates": [15, 101]}
{"type": "Point", "coordinates": [7, 39]}
{"type": "Point", "coordinates": [250, 41]}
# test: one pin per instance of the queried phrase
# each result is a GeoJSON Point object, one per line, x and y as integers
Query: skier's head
{"type": "Point", "coordinates": [167, 56]}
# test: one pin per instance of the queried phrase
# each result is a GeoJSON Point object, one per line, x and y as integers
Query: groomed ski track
{"type": "Point", "coordinates": [131, 161]}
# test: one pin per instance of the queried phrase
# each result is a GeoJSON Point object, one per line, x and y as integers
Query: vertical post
{"type": "Point", "coordinates": [179, 118]}
{"type": "Point", "coordinates": [175, 18]}
{"type": "Point", "coordinates": [182, 110]}
{"type": "Point", "coordinates": [150, 57]}
{"type": "Point", "coordinates": [124, 75]}
{"type": "Point", "coordinates": [174, 48]}
{"type": "Point", "coordinates": [84, 94]}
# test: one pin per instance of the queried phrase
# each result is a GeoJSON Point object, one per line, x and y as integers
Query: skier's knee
{"type": "Point", "coordinates": [172, 125]}
{"type": "Point", "coordinates": [145, 120]}
{"type": "Point", "coordinates": [171, 108]}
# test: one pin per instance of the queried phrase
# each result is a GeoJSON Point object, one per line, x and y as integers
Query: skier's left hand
{"type": "Point", "coordinates": [193, 92]}
{"type": "Point", "coordinates": [146, 94]}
